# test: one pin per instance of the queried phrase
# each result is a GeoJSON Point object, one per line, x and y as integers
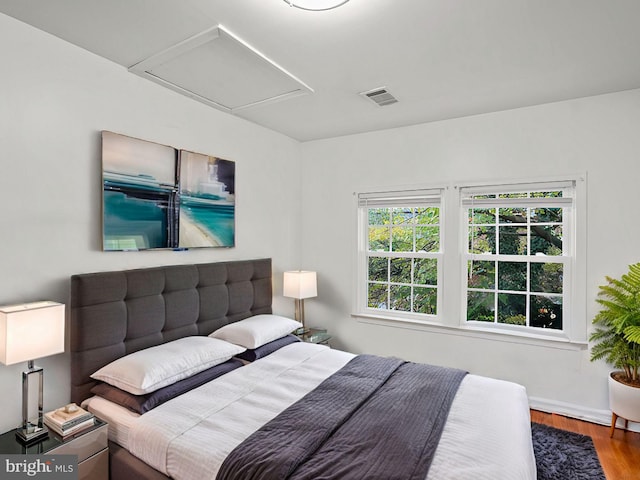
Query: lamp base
{"type": "Point", "coordinates": [30, 433]}
{"type": "Point", "coordinates": [31, 430]}
{"type": "Point", "coordinates": [299, 313]}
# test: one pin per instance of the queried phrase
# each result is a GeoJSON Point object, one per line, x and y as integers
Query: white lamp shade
{"type": "Point", "coordinates": [300, 284]}
{"type": "Point", "coordinates": [31, 331]}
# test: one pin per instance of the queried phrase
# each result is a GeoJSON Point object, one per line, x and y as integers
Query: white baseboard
{"type": "Point", "coordinates": [593, 415]}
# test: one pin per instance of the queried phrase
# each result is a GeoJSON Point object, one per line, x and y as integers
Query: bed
{"type": "Point", "coordinates": [486, 433]}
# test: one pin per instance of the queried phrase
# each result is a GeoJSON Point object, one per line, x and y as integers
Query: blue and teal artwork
{"type": "Point", "coordinates": [158, 197]}
{"type": "Point", "coordinates": [207, 201]}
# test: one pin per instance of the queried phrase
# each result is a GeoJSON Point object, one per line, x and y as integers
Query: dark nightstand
{"type": "Point", "coordinates": [315, 335]}
{"type": "Point", "coordinates": [89, 445]}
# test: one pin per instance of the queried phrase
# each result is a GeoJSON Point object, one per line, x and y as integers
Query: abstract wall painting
{"type": "Point", "coordinates": [207, 201]}
{"type": "Point", "coordinates": [155, 196]}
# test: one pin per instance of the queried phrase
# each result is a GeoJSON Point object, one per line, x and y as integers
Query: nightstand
{"type": "Point", "coordinates": [89, 445]}
{"type": "Point", "coordinates": [315, 335]}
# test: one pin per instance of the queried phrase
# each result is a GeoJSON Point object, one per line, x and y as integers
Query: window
{"type": "Point", "coordinates": [518, 254]}
{"type": "Point", "coordinates": [510, 261]}
{"type": "Point", "coordinates": [400, 251]}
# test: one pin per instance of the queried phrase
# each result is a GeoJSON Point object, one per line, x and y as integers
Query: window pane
{"type": "Point", "coordinates": [482, 274]}
{"type": "Point", "coordinates": [482, 215]}
{"type": "Point", "coordinates": [377, 296]}
{"type": "Point", "coordinates": [546, 277]}
{"type": "Point", "coordinates": [539, 215]}
{"type": "Point", "coordinates": [402, 239]}
{"type": "Point", "coordinates": [512, 309]}
{"type": "Point", "coordinates": [546, 239]}
{"type": "Point", "coordinates": [512, 215]}
{"type": "Point", "coordinates": [379, 216]}
{"type": "Point", "coordinates": [427, 239]}
{"type": "Point", "coordinates": [379, 239]}
{"type": "Point", "coordinates": [513, 240]}
{"type": "Point", "coordinates": [554, 194]}
{"type": "Point", "coordinates": [482, 197]}
{"type": "Point", "coordinates": [513, 195]}
{"type": "Point", "coordinates": [546, 312]}
{"type": "Point", "coordinates": [425, 271]}
{"type": "Point", "coordinates": [402, 216]}
{"type": "Point", "coordinates": [512, 276]}
{"type": "Point", "coordinates": [427, 216]}
{"type": "Point", "coordinates": [482, 240]}
{"type": "Point", "coordinates": [401, 270]}
{"type": "Point", "coordinates": [378, 269]}
{"type": "Point", "coordinates": [527, 289]}
{"type": "Point", "coordinates": [397, 278]}
{"type": "Point", "coordinates": [400, 298]}
{"type": "Point", "coordinates": [425, 300]}
{"type": "Point", "coordinates": [481, 306]}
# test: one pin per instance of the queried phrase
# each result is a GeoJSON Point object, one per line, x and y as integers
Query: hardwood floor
{"type": "Point", "coordinates": [619, 456]}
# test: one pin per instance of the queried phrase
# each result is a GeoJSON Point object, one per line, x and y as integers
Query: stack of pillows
{"type": "Point", "coordinates": [147, 378]}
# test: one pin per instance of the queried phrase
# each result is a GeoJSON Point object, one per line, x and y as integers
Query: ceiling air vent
{"type": "Point", "coordinates": [381, 96]}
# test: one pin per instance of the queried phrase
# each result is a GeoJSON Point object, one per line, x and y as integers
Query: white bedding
{"type": "Point", "coordinates": [486, 437]}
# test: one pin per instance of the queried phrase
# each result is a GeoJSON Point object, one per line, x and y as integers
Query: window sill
{"type": "Point", "coordinates": [562, 343]}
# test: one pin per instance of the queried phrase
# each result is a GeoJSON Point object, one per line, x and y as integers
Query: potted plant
{"type": "Point", "coordinates": [617, 341]}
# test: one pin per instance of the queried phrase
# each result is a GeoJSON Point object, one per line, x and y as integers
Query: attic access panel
{"type": "Point", "coordinates": [218, 68]}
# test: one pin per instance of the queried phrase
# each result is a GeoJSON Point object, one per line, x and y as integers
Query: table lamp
{"type": "Point", "coordinates": [300, 284]}
{"type": "Point", "coordinates": [27, 332]}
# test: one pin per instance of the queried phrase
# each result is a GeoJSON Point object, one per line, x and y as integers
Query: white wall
{"type": "Point", "coordinates": [54, 101]}
{"type": "Point", "coordinates": [598, 135]}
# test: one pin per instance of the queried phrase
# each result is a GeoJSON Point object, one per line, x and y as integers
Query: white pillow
{"type": "Point", "coordinates": [253, 332]}
{"type": "Point", "coordinates": [147, 370]}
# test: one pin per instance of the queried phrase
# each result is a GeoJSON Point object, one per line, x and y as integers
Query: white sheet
{"type": "Point", "coordinates": [486, 437]}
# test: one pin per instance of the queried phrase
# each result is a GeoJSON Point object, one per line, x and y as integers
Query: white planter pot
{"type": "Point", "coordinates": [624, 400]}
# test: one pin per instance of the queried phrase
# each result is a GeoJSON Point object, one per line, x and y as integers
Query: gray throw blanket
{"type": "Point", "coordinates": [376, 418]}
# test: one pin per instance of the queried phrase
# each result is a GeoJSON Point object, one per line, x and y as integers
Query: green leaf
{"type": "Point", "coordinates": [632, 334]}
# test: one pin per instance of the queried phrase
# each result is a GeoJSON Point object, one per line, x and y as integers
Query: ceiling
{"type": "Point", "coordinates": [441, 59]}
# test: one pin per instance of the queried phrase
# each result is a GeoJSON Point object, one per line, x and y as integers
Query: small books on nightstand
{"type": "Point", "coordinates": [68, 420]}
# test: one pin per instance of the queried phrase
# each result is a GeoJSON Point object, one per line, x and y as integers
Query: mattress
{"type": "Point", "coordinates": [487, 434]}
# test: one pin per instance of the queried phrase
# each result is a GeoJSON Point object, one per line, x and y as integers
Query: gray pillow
{"type": "Point", "coordinates": [253, 354]}
{"type": "Point", "coordinates": [144, 403]}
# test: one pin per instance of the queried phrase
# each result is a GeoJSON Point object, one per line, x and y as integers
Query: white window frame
{"type": "Point", "coordinates": [568, 203]}
{"type": "Point", "coordinates": [452, 270]}
{"type": "Point", "coordinates": [413, 197]}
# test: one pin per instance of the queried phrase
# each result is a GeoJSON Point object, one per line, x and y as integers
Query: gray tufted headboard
{"type": "Point", "coordinates": [116, 313]}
